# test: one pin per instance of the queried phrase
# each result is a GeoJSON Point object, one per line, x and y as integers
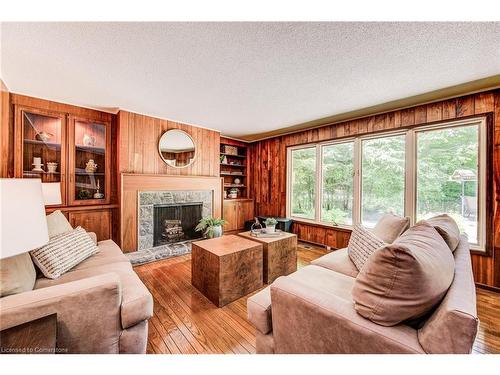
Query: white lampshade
{"type": "Point", "coordinates": [51, 193]}
{"type": "Point", "coordinates": [23, 226]}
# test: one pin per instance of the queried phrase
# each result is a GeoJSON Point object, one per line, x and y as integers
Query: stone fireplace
{"type": "Point", "coordinates": [169, 217]}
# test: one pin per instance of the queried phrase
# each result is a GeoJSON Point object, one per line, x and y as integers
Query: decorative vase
{"type": "Point", "coordinates": [91, 166]}
{"type": "Point", "coordinates": [51, 167]}
{"type": "Point", "coordinates": [217, 230]}
{"type": "Point", "coordinates": [37, 164]}
{"type": "Point", "coordinates": [270, 228]}
{"type": "Point", "coordinates": [89, 140]}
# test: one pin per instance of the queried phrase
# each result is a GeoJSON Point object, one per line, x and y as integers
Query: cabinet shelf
{"type": "Point", "coordinates": [35, 142]}
{"type": "Point", "coordinates": [95, 150]}
{"type": "Point", "coordinates": [234, 156]}
{"type": "Point", "coordinates": [234, 165]}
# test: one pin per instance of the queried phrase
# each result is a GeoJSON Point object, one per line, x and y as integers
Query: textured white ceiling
{"type": "Point", "coordinates": [243, 78]}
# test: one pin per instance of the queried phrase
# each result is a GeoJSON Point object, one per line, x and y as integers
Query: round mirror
{"type": "Point", "coordinates": [177, 148]}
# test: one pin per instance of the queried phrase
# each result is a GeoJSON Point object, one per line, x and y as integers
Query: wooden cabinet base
{"type": "Point", "coordinates": [35, 337]}
{"type": "Point", "coordinates": [227, 268]}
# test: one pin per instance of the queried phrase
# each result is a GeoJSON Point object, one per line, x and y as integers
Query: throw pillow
{"type": "Point", "coordinates": [406, 279]}
{"type": "Point", "coordinates": [57, 223]}
{"type": "Point", "coordinates": [362, 244]}
{"type": "Point", "coordinates": [447, 228]}
{"type": "Point", "coordinates": [390, 227]}
{"type": "Point", "coordinates": [63, 252]}
{"type": "Point", "coordinates": [17, 275]}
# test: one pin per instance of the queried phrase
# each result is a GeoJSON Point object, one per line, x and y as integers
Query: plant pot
{"type": "Point", "coordinates": [270, 228]}
{"type": "Point", "coordinates": [216, 232]}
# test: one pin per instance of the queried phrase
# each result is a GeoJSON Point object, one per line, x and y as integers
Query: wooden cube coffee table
{"type": "Point", "coordinates": [280, 254]}
{"type": "Point", "coordinates": [226, 268]}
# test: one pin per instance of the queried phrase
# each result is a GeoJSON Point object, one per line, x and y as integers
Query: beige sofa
{"type": "Point", "coordinates": [312, 311]}
{"type": "Point", "coordinates": [101, 305]}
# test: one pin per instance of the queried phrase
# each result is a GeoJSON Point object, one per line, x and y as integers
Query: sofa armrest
{"type": "Point", "coordinates": [88, 312]}
{"type": "Point", "coordinates": [307, 320]}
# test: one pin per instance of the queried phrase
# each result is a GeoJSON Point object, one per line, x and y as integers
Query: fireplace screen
{"type": "Point", "coordinates": [176, 222]}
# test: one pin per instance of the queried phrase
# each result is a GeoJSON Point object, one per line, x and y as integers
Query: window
{"type": "Point", "coordinates": [418, 173]}
{"type": "Point", "coordinates": [382, 178]}
{"type": "Point", "coordinates": [447, 175]}
{"type": "Point", "coordinates": [337, 188]}
{"type": "Point", "coordinates": [303, 175]}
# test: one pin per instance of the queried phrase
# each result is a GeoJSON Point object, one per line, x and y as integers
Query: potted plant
{"type": "Point", "coordinates": [211, 227]}
{"type": "Point", "coordinates": [271, 224]}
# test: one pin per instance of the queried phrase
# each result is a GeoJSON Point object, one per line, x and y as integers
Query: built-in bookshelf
{"type": "Point", "coordinates": [233, 168]}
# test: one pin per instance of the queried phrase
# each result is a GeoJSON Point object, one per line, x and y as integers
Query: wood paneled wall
{"type": "Point", "coordinates": [138, 142]}
{"type": "Point", "coordinates": [6, 136]}
{"type": "Point", "coordinates": [268, 166]}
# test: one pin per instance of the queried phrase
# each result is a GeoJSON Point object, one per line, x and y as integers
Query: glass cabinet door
{"type": "Point", "coordinates": [89, 161]}
{"type": "Point", "coordinates": [42, 137]}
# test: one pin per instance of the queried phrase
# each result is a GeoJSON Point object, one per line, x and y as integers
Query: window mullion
{"type": "Point", "coordinates": [356, 205]}
{"type": "Point", "coordinates": [410, 176]}
{"type": "Point", "coordinates": [319, 184]}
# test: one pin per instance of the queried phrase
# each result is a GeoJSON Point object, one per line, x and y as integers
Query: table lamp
{"type": "Point", "coordinates": [51, 193]}
{"type": "Point", "coordinates": [23, 226]}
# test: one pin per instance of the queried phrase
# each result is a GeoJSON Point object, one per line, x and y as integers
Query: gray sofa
{"type": "Point", "coordinates": [101, 304]}
{"type": "Point", "coordinates": [312, 311]}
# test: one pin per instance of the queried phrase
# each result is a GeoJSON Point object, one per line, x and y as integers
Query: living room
{"type": "Point", "coordinates": [250, 187]}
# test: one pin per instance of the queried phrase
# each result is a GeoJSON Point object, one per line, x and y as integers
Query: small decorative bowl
{"type": "Point", "coordinates": [43, 136]}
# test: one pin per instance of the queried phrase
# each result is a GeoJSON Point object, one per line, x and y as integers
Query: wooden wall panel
{"type": "Point", "coordinates": [6, 134]}
{"type": "Point", "coordinates": [268, 166]}
{"type": "Point", "coordinates": [138, 137]}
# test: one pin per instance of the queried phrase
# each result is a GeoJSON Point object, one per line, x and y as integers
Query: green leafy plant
{"type": "Point", "coordinates": [207, 226]}
{"type": "Point", "coordinates": [270, 221]}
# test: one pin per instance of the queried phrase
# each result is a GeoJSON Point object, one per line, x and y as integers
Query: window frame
{"type": "Point", "coordinates": [410, 195]}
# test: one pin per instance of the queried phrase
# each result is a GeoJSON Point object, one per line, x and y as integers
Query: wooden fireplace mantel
{"type": "Point", "coordinates": [132, 183]}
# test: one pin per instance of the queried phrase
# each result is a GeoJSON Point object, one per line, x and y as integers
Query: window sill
{"type": "Point", "coordinates": [342, 228]}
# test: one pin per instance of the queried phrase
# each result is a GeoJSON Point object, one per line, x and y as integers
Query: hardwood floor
{"type": "Point", "coordinates": [185, 322]}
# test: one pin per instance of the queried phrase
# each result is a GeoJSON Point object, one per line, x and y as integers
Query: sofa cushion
{"type": "Point", "coordinates": [390, 227]}
{"type": "Point", "coordinates": [63, 252]}
{"type": "Point", "coordinates": [362, 244]}
{"type": "Point", "coordinates": [406, 279]}
{"type": "Point", "coordinates": [447, 228]}
{"type": "Point", "coordinates": [259, 310]}
{"type": "Point", "coordinates": [57, 223]}
{"type": "Point", "coordinates": [338, 261]}
{"type": "Point", "coordinates": [109, 252]}
{"type": "Point", "coordinates": [17, 275]}
{"type": "Point", "coordinates": [137, 302]}
{"type": "Point", "coordinates": [259, 306]}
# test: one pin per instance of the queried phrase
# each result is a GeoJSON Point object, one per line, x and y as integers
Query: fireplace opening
{"type": "Point", "coordinates": [176, 222]}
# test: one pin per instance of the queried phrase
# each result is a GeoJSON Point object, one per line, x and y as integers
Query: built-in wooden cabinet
{"type": "Point", "coordinates": [72, 146]}
{"type": "Point", "coordinates": [41, 146]}
{"type": "Point", "coordinates": [236, 212]}
{"type": "Point", "coordinates": [89, 161]}
{"type": "Point", "coordinates": [97, 221]}
{"type": "Point", "coordinates": [58, 147]}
